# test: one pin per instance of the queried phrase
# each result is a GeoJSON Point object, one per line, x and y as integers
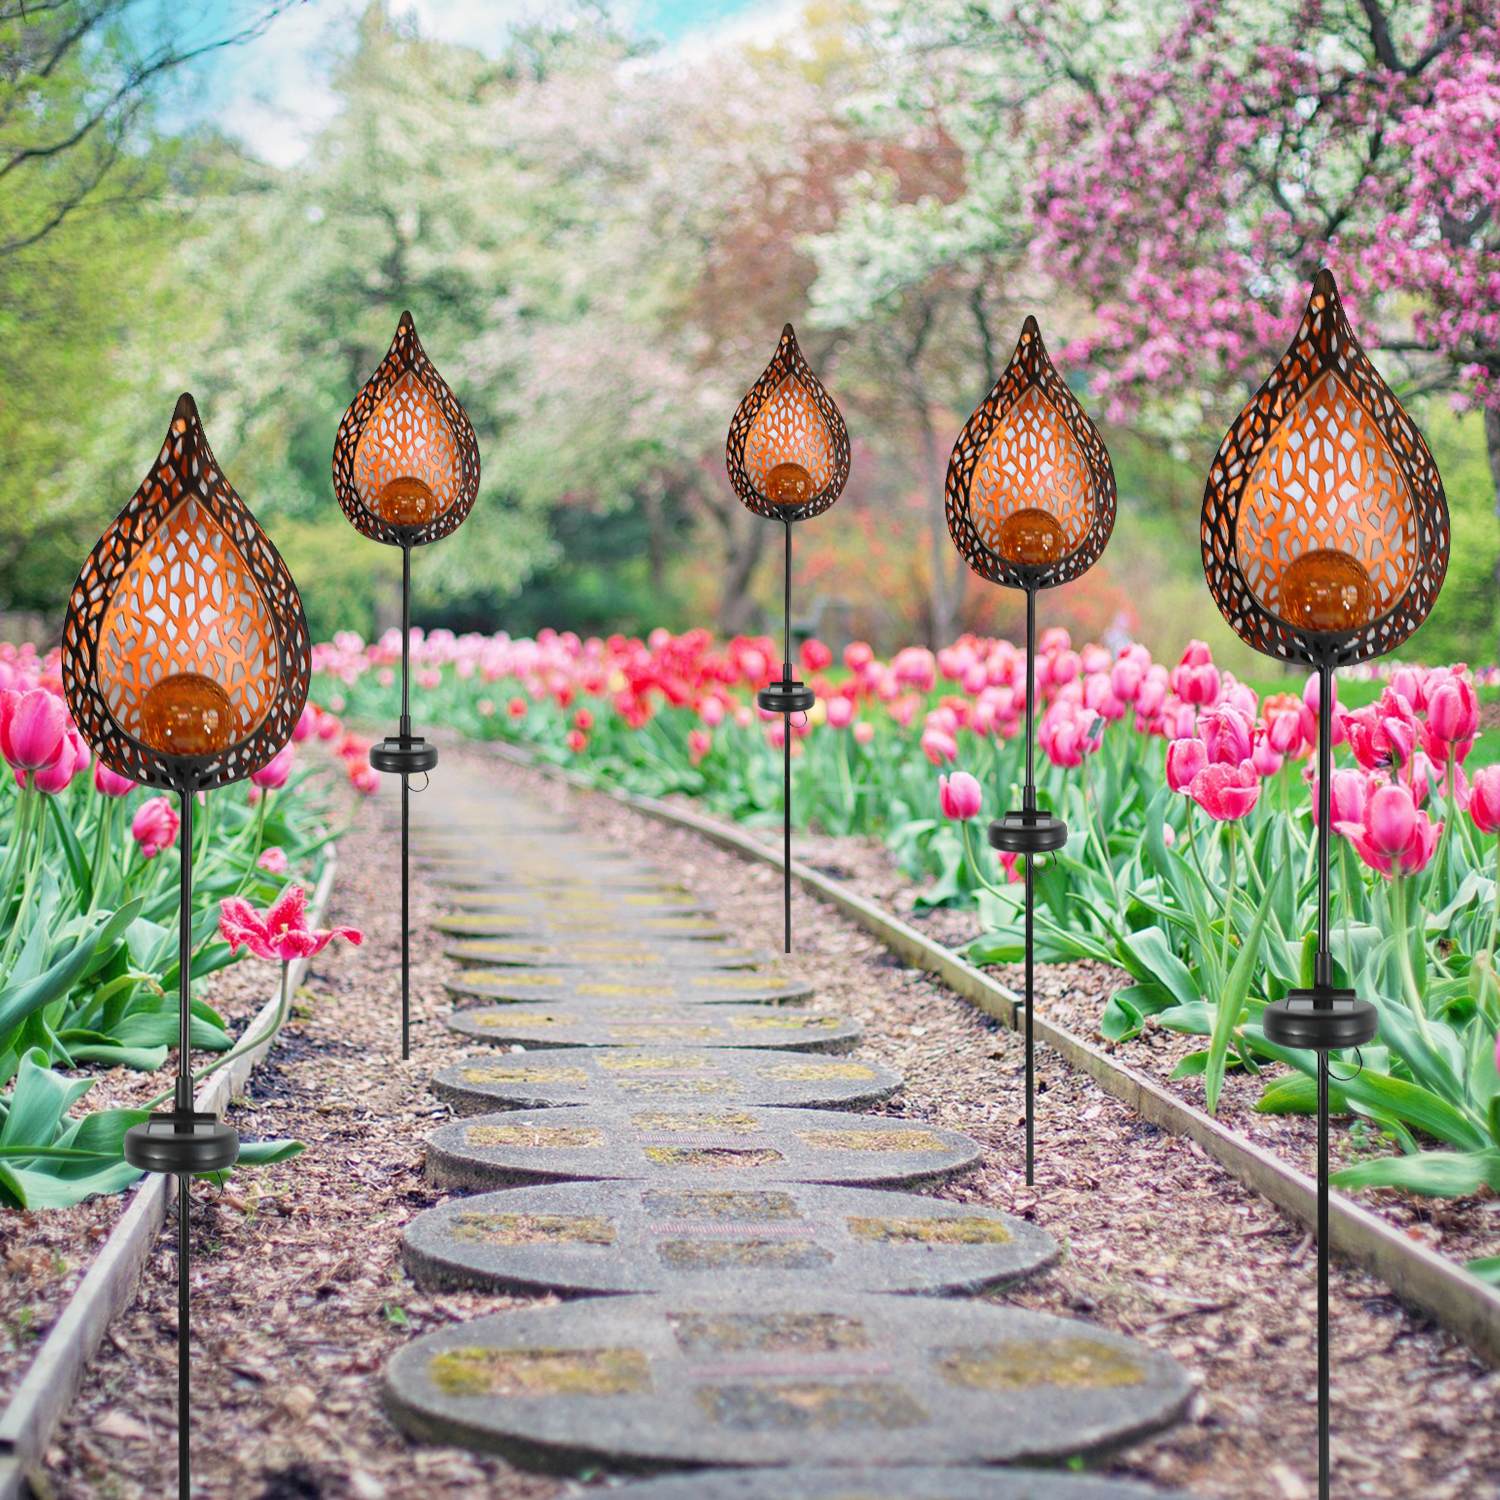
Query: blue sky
{"type": "Point", "coordinates": [272, 93]}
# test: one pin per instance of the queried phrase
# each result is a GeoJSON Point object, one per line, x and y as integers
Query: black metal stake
{"type": "Point", "coordinates": [405, 805]}
{"type": "Point", "coordinates": [184, 1103]}
{"type": "Point", "coordinates": [1324, 983]}
{"type": "Point", "coordinates": [1028, 803]}
{"type": "Point", "coordinates": [786, 742]}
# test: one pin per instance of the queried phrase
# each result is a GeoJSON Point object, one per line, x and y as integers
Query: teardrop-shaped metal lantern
{"type": "Point", "coordinates": [1325, 539]}
{"type": "Point", "coordinates": [405, 461]}
{"type": "Point", "coordinates": [1325, 528]}
{"type": "Point", "coordinates": [185, 652]}
{"type": "Point", "coordinates": [788, 449]}
{"type": "Point", "coordinates": [1030, 493]}
{"type": "Point", "coordinates": [788, 459]}
{"type": "Point", "coordinates": [1030, 502]}
{"type": "Point", "coordinates": [406, 472]}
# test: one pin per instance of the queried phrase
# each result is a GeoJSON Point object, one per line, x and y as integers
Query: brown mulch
{"type": "Point", "coordinates": [299, 1298]}
{"type": "Point", "coordinates": [1074, 995]}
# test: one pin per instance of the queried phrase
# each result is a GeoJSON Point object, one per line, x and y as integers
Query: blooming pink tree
{"type": "Point", "coordinates": [1192, 194]}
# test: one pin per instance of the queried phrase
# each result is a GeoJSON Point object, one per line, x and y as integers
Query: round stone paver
{"type": "Point", "coordinates": [631, 879]}
{"type": "Point", "coordinates": [786, 1379]}
{"type": "Point", "coordinates": [591, 1024]}
{"type": "Point", "coordinates": [581, 901]}
{"type": "Point", "coordinates": [540, 953]}
{"type": "Point", "coordinates": [588, 926]}
{"type": "Point", "coordinates": [564, 1076]}
{"type": "Point", "coordinates": [585, 1238]}
{"type": "Point", "coordinates": [716, 1145]}
{"type": "Point", "coordinates": [710, 986]}
{"type": "Point", "coordinates": [892, 1484]}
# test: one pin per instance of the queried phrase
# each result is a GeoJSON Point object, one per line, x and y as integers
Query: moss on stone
{"type": "Point", "coordinates": [870, 1140]}
{"type": "Point", "coordinates": [732, 1121]}
{"type": "Point", "coordinates": [477, 1228]}
{"type": "Point", "coordinates": [720, 1205]}
{"type": "Point", "coordinates": [767, 1333]}
{"type": "Point", "coordinates": [501, 1074]}
{"type": "Point", "coordinates": [712, 1158]}
{"type": "Point", "coordinates": [477, 1371]}
{"type": "Point", "coordinates": [818, 1072]}
{"type": "Point", "coordinates": [1077, 1363]}
{"type": "Point", "coordinates": [970, 1230]}
{"type": "Point", "coordinates": [545, 1137]}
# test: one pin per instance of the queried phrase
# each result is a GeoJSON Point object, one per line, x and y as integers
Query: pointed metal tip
{"type": "Point", "coordinates": [1324, 284]}
{"type": "Point", "coordinates": [1031, 325]}
{"type": "Point", "coordinates": [789, 332]}
{"type": "Point", "coordinates": [406, 321]}
{"type": "Point", "coordinates": [186, 407]}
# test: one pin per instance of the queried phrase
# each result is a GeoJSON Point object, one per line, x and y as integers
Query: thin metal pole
{"type": "Point", "coordinates": [184, 1092]}
{"type": "Point", "coordinates": [184, 1403]}
{"type": "Point", "coordinates": [786, 743]}
{"type": "Point", "coordinates": [405, 805]}
{"type": "Point", "coordinates": [1323, 1350]}
{"type": "Point", "coordinates": [1324, 980]}
{"type": "Point", "coordinates": [1028, 801]}
{"type": "Point", "coordinates": [1324, 970]}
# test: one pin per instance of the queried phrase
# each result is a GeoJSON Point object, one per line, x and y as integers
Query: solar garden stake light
{"type": "Point", "coordinates": [1030, 501]}
{"type": "Point", "coordinates": [406, 472]}
{"type": "Point", "coordinates": [788, 460]}
{"type": "Point", "coordinates": [1325, 539]}
{"type": "Point", "coordinates": [185, 663]}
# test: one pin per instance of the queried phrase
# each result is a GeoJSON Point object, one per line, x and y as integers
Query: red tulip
{"type": "Point", "coordinates": [577, 741]}
{"type": "Point", "coordinates": [1228, 735]}
{"type": "Point", "coordinates": [154, 826]}
{"type": "Point", "coordinates": [1226, 793]}
{"type": "Point", "coordinates": [816, 657]}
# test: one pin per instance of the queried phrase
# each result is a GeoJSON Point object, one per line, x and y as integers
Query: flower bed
{"type": "Point", "coordinates": [1190, 864]}
{"type": "Point", "coordinates": [88, 940]}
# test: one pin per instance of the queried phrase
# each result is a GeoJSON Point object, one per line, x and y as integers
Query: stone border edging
{"type": "Point", "coordinates": [1436, 1286]}
{"type": "Point", "coordinates": [56, 1372]}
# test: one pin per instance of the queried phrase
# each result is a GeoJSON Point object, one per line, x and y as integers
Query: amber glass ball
{"type": "Point", "coordinates": [788, 484]}
{"type": "Point", "coordinates": [1326, 591]}
{"type": "Point", "coordinates": [406, 502]}
{"type": "Point", "coordinates": [1030, 536]}
{"type": "Point", "coordinates": [186, 714]}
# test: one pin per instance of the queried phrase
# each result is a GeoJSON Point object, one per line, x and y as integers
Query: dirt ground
{"type": "Point", "coordinates": [299, 1297]}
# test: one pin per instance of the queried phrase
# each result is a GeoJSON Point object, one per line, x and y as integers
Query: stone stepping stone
{"type": "Point", "coordinates": [602, 1025]}
{"type": "Point", "coordinates": [706, 986]}
{"type": "Point", "coordinates": [581, 900]}
{"type": "Point", "coordinates": [561, 1076]}
{"type": "Point", "coordinates": [679, 1381]}
{"type": "Point", "coordinates": [533, 880]}
{"type": "Point", "coordinates": [588, 1238]}
{"type": "Point", "coordinates": [891, 1484]}
{"type": "Point", "coordinates": [724, 1145]}
{"type": "Point", "coordinates": [602, 952]}
{"type": "Point", "coordinates": [622, 927]}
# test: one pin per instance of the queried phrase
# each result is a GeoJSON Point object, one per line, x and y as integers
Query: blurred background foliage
{"type": "Point", "coordinates": [600, 238]}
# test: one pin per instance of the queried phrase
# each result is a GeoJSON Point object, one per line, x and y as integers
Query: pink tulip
{"type": "Point", "coordinates": [816, 657]}
{"type": "Point", "coordinates": [700, 742]}
{"type": "Point", "coordinates": [1226, 793]}
{"type": "Point", "coordinates": [1066, 665]}
{"type": "Point", "coordinates": [273, 775]}
{"type": "Point", "coordinates": [281, 931]}
{"type": "Point", "coordinates": [1228, 735]}
{"type": "Point", "coordinates": [329, 727]}
{"type": "Point", "coordinates": [1393, 836]}
{"type": "Point", "coordinates": [71, 758]}
{"type": "Point", "coordinates": [1266, 759]}
{"type": "Point", "coordinates": [840, 712]}
{"type": "Point", "coordinates": [939, 746]}
{"type": "Point", "coordinates": [776, 733]}
{"type": "Point", "coordinates": [154, 826]}
{"type": "Point", "coordinates": [273, 860]}
{"type": "Point", "coordinates": [864, 732]}
{"type": "Point", "coordinates": [1484, 799]}
{"type": "Point", "coordinates": [1452, 718]}
{"type": "Point", "coordinates": [1185, 758]}
{"type": "Point", "coordinates": [365, 779]}
{"type": "Point", "coordinates": [1125, 677]}
{"type": "Point", "coordinates": [307, 724]}
{"type": "Point", "coordinates": [1195, 679]}
{"type": "Point", "coordinates": [1067, 733]}
{"type": "Point", "coordinates": [108, 784]}
{"type": "Point", "coordinates": [960, 796]}
{"type": "Point", "coordinates": [32, 731]}
{"type": "Point", "coordinates": [858, 656]}
{"type": "Point", "coordinates": [1153, 693]}
{"type": "Point", "coordinates": [711, 711]}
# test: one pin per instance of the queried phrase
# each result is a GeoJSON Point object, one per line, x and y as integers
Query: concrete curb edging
{"type": "Point", "coordinates": [1419, 1276]}
{"type": "Point", "coordinates": [56, 1372]}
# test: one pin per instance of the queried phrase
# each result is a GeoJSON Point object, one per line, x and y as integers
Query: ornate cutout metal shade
{"type": "Point", "coordinates": [1325, 529]}
{"type": "Point", "coordinates": [788, 448]}
{"type": "Point", "coordinates": [186, 656]}
{"type": "Point", "coordinates": [405, 461]}
{"type": "Point", "coordinates": [1030, 494]}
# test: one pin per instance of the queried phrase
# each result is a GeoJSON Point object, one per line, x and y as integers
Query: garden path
{"type": "Point", "coordinates": [667, 1100]}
